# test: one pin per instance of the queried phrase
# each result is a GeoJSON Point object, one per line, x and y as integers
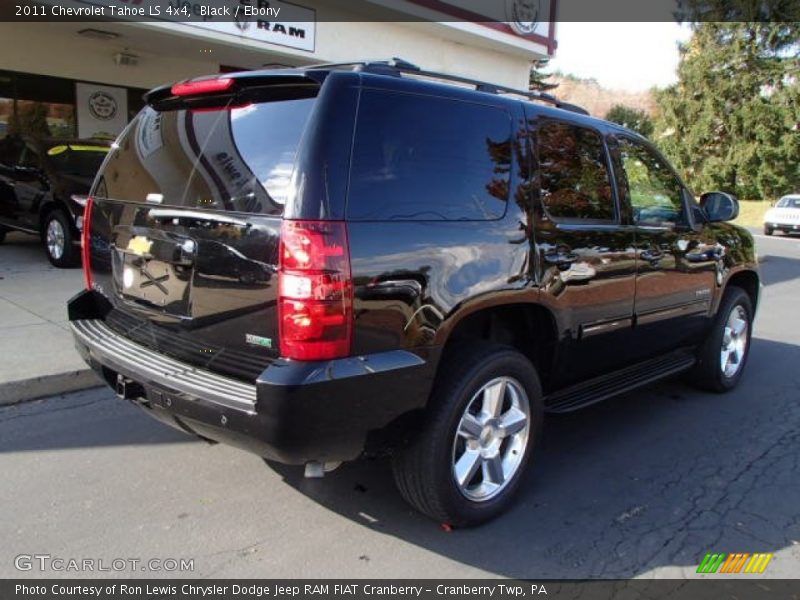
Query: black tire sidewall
{"type": "Point", "coordinates": [454, 398]}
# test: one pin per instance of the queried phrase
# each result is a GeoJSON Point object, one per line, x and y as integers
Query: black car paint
{"type": "Point", "coordinates": [415, 283]}
{"type": "Point", "coordinates": [28, 193]}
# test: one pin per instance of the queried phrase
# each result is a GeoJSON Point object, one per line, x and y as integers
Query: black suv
{"type": "Point", "coordinates": [43, 187]}
{"type": "Point", "coordinates": [317, 263]}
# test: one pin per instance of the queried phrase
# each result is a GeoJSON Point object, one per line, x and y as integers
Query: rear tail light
{"type": "Point", "coordinates": [315, 291]}
{"type": "Point", "coordinates": [85, 235]}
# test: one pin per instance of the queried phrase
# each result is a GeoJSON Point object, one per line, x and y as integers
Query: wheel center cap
{"type": "Point", "coordinates": [488, 436]}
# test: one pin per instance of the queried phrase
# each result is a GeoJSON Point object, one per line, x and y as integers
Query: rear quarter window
{"type": "Point", "coordinates": [423, 158]}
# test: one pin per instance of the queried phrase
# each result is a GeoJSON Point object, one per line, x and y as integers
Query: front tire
{"type": "Point", "coordinates": [768, 230]}
{"type": "Point", "coordinates": [3, 231]}
{"type": "Point", "coordinates": [722, 358]}
{"type": "Point", "coordinates": [59, 240]}
{"type": "Point", "coordinates": [466, 464]}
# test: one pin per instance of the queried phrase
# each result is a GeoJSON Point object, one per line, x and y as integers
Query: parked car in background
{"type": "Point", "coordinates": [784, 216]}
{"type": "Point", "coordinates": [43, 188]}
{"type": "Point", "coordinates": [450, 262]}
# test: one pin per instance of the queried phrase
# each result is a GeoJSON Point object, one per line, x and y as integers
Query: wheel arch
{"type": "Point", "coordinates": [528, 327]}
{"type": "Point", "coordinates": [749, 281]}
{"type": "Point", "coordinates": [51, 204]}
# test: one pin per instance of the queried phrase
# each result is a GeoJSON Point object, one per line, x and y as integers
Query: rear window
{"type": "Point", "coordinates": [421, 158]}
{"type": "Point", "coordinates": [232, 159]}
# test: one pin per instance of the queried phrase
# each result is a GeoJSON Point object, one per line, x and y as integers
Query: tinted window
{"type": "Point", "coordinates": [82, 160]}
{"type": "Point", "coordinates": [655, 193]}
{"type": "Point", "coordinates": [573, 173]}
{"type": "Point", "coordinates": [236, 159]}
{"type": "Point", "coordinates": [421, 158]}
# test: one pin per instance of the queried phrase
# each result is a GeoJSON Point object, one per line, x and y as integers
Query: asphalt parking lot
{"type": "Point", "coordinates": [642, 485]}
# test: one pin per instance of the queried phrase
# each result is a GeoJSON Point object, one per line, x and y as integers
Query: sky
{"type": "Point", "coordinates": [627, 56]}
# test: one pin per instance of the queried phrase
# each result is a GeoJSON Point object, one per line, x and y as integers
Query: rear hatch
{"type": "Point", "coordinates": [186, 218]}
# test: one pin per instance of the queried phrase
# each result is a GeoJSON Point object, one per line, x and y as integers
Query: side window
{"type": "Point", "coordinates": [422, 158]}
{"type": "Point", "coordinates": [574, 173]}
{"type": "Point", "coordinates": [656, 195]}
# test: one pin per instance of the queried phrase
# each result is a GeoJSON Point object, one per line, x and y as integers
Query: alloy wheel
{"type": "Point", "coordinates": [491, 438]}
{"type": "Point", "coordinates": [734, 342]}
{"type": "Point", "coordinates": [55, 238]}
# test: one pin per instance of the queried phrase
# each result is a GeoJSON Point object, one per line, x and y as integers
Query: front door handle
{"type": "Point", "coordinates": [561, 257]}
{"type": "Point", "coordinates": [652, 256]}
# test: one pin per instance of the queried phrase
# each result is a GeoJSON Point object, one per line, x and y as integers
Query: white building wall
{"type": "Point", "coordinates": [168, 52]}
{"type": "Point", "coordinates": [61, 52]}
{"type": "Point", "coordinates": [428, 45]}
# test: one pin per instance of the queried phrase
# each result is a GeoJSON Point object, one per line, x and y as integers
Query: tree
{"type": "Point", "coordinates": [537, 80]}
{"type": "Point", "coordinates": [632, 118]}
{"type": "Point", "coordinates": [730, 122]}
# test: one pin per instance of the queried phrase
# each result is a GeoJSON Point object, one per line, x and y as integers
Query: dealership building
{"type": "Point", "coordinates": [86, 78]}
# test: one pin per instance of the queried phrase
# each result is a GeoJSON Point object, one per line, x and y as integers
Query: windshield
{"type": "Point", "coordinates": [789, 202]}
{"type": "Point", "coordinates": [79, 160]}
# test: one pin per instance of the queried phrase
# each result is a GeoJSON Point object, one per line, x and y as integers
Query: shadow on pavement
{"type": "Point", "coordinates": [93, 418]}
{"type": "Point", "coordinates": [779, 269]}
{"type": "Point", "coordinates": [654, 478]}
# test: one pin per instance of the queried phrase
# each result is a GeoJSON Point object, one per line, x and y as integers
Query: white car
{"type": "Point", "coordinates": [784, 216]}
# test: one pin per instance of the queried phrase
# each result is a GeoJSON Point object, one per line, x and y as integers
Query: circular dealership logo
{"type": "Point", "coordinates": [523, 15]}
{"type": "Point", "coordinates": [102, 106]}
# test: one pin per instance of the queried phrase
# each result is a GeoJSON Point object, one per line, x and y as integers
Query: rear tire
{"type": "Point", "coordinates": [59, 240]}
{"type": "Point", "coordinates": [768, 230]}
{"type": "Point", "coordinates": [723, 356]}
{"type": "Point", "coordinates": [485, 415]}
{"type": "Point", "coordinates": [3, 231]}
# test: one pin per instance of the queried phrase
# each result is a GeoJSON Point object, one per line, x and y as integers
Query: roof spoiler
{"type": "Point", "coordinates": [219, 90]}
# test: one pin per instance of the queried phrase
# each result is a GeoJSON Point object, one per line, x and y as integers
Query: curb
{"type": "Point", "coordinates": [24, 390]}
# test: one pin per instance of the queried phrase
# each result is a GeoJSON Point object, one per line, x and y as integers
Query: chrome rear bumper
{"type": "Point", "coordinates": [135, 361]}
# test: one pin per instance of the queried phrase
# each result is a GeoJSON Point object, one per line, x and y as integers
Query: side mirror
{"type": "Point", "coordinates": [719, 206]}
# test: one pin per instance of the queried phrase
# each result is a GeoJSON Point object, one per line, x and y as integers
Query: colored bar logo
{"type": "Point", "coordinates": [741, 562]}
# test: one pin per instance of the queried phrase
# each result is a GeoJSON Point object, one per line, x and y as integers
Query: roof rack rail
{"type": "Point", "coordinates": [397, 66]}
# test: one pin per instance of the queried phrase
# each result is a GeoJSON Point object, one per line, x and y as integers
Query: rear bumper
{"type": "Point", "coordinates": [294, 413]}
